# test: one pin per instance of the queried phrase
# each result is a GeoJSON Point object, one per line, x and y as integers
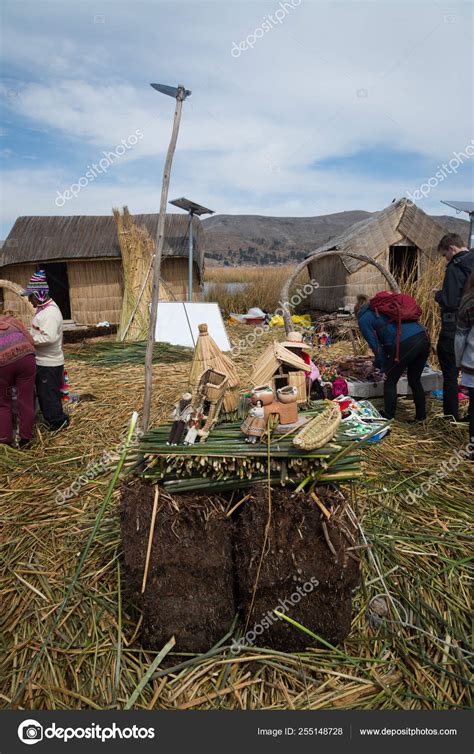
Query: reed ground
{"type": "Point", "coordinates": [417, 556]}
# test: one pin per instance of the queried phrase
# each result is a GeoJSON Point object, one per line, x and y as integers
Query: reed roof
{"type": "Point", "coordinates": [270, 361]}
{"type": "Point", "coordinates": [49, 238]}
{"type": "Point", "coordinates": [372, 236]}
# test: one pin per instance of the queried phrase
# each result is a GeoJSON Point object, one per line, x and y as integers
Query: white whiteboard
{"type": "Point", "coordinates": [177, 323]}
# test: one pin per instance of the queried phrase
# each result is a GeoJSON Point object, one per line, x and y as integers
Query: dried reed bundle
{"type": "Point", "coordinates": [109, 353]}
{"type": "Point", "coordinates": [226, 462]}
{"type": "Point", "coordinates": [207, 355]}
{"type": "Point", "coordinates": [137, 250]}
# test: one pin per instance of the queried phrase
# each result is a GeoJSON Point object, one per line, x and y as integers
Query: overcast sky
{"type": "Point", "coordinates": [298, 108]}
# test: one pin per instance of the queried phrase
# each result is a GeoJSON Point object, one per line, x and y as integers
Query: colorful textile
{"type": "Point", "coordinates": [15, 341]}
{"type": "Point", "coordinates": [38, 286]}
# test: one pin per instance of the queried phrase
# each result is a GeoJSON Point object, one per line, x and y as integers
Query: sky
{"type": "Point", "coordinates": [298, 108]}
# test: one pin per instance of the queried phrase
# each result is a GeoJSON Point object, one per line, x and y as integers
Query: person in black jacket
{"type": "Point", "coordinates": [460, 263]}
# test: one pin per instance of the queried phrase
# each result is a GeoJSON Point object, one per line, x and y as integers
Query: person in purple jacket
{"type": "Point", "coordinates": [381, 335]}
{"type": "Point", "coordinates": [17, 370]}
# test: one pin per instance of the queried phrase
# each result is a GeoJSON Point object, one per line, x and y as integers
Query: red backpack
{"type": "Point", "coordinates": [398, 307]}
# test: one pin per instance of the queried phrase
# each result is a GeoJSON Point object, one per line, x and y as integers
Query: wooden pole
{"type": "Point", "coordinates": [160, 237]}
{"type": "Point", "coordinates": [150, 537]}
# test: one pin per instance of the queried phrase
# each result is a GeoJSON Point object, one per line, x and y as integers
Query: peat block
{"type": "Point", "coordinates": [296, 554]}
{"type": "Point", "coordinates": [190, 584]}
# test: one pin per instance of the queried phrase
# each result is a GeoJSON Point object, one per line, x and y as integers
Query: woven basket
{"type": "Point", "coordinates": [319, 430]}
{"type": "Point", "coordinates": [216, 384]}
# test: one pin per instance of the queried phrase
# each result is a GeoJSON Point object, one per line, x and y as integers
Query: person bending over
{"type": "Point", "coordinates": [381, 335]}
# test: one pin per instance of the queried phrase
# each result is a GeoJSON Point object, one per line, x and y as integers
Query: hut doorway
{"type": "Point", "coordinates": [403, 263]}
{"type": "Point", "coordinates": [57, 277]}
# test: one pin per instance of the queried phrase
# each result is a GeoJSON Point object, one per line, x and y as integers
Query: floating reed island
{"type": "Point", "coordinates": [409, 646]}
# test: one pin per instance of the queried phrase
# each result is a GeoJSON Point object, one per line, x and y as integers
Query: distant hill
{"type": "Point", "coordinates": [256, 239]}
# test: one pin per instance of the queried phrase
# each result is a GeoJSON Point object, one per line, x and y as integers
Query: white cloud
{"type": "Point", "coordinates": [254, 126]}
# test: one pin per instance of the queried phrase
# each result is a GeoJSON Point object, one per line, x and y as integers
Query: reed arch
{"type": "Point", "coordinates": [25, 309]}
{"type": "Point", "coordinates": [334, 252]}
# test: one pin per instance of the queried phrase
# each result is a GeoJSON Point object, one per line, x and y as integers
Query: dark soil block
{"type": "Point", "coordinates": [298, 567]}
{"type": "Point", "coordinates": [190, 584]}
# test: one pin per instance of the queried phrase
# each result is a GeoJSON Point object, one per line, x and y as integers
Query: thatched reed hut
{"type": "Point", "coordinates": [81, 256]}
{"type": "Point", "coordinates": [401, 237]}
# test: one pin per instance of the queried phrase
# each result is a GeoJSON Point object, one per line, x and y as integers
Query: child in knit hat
{"type": "Point", "coordinates": [47, 333]}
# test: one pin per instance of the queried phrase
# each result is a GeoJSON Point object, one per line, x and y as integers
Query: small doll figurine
{"type": "Point", "coordinates": [322, 339]}
{"type": "Point", "coordinates": [181, 414]}
{"type": "Point", "coordinates": [254, 425]}
{"type": "Point", "coordinates": [193, 428]}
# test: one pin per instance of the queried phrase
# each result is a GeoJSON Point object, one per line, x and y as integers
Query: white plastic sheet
{"type": "Point", "coordinates": [177, 323]}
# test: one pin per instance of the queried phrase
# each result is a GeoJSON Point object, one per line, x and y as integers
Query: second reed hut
{"type": "Point", "coordinates": [401, 237]}
{"type": "Point", "coordinates": [82, 260]}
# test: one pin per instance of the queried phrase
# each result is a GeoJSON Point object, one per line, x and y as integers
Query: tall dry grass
{"type": "Point", "coordinates": [421, 290]}
{"type": "Point", "coordinates": [262, 287]}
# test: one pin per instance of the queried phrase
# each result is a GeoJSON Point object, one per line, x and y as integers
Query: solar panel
{"type": "Point", "coordinates": [460, 206]}
{"type": "Point", "coordinates": [189, 206]}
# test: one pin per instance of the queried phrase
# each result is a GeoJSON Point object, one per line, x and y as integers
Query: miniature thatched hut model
{"type": "Point", "coordinates": [279, 367]}
{"type": "Point", "coordinates": [207, 355]}
{"type": "Point", "coordinates": [401, 237]}
{"type": "Point", "coordinates": [82, 258]}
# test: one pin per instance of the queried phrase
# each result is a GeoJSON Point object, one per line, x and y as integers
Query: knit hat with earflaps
{"type": "Point", "coordinates": [38, 286]}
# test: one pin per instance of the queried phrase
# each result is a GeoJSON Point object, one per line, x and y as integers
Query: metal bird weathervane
{"type": "Point", "coordinates": [179, 93]}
